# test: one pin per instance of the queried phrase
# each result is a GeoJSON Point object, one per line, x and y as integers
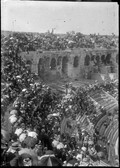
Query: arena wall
{"type": "Point", "coordinates": [71, 63]}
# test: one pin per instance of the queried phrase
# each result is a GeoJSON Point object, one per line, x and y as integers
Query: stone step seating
{"type": "Point", "coordinates": [114, 137]}
{"type": "Point", "coordinates": [55, 86]}
{"type": "Point", "coordinates": [103, 164]}
{"type": "Point", "coordinates": [108, 129]}
{"type": "Point", "coordinates": [112, 149]}
{"type": "Point", "coordinates": [115, 142]}
{"type": "Point", "coordinates": [111, 125]}
{"type": "Point", "coordinates": [98, 118]}
{"type": "Point", "coordinates": [104, 99]}
{"type": "Point", "coordinates": [112, 131]}
{"type": "Point", "coordinates": [102, 129]}
{"type": "Point", "coordinates": [100, 122]}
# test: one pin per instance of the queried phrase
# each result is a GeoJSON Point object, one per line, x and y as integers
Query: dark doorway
{"type": "Point", "coordinates": [76, 61]}
{"type": "Point", "coordinates": [64, 65]}
{"type": "Point", "coordinates": [97, 59]}
{"type": "Point", "coordinates": [40, 67]}
{"type": "Point", "coordinates": [108, 57]}
{"type": "Point", "coordinates": [59, 60]}
{"type": "Point", "coordinates": [53, 64]}
{"type": "Point", "coordinates": [87, 60]}
{"type": "Point", "coordinates": [103, 59]}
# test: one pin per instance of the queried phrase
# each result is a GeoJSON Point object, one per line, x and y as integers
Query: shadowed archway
{"type": "Point", "coordinates": [59, 60]}
{"type": "Point", "coordinates": [64, 65]}
{"type": "Point", "coordinates": [40, 68]}
{"type": "Point", "coordinates": [87, 60]}
{"type": "Point", "coordinates": [76, 61]}
{"type": "Point", "coordinates": [53, 64]}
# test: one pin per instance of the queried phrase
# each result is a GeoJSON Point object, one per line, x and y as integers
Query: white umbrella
{"type": "Point", "coordinates": [60, 146]}
{"type": "Point", "coordinates": [22, 137]}
{"type": "Point", "coordinates": [13, 112]}
{"type": "Point", "coordinates": [18, 131]}
{"type": "Point", "coordinates": [12, 119]}
{"type": "Point", "coordinates": [79, 157]}
{"type": "Point", "coordinates": [55, 143]}
{"type": "Point", "coordinates": [32, 134]}
{"type": "Point", "coordinates": [26, 150]}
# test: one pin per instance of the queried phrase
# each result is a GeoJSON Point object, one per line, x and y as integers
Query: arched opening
{"type": "Point", "coordinates": [59, 60]}
{"type": "Point", "coordinates": [87, 60]}
{"type": "Point", "coordinates": [64, 65]}
{"type": "Point", "coordinates": [53, 64]}
{"type": "Point", "coordinates": [97, 59]}
{"type": "Point", "coordinates": [47, 61]}
{"type": "Point", "coordinates": [76, 61]}
{"type": "Point", "coordinates": [40, 67]}
{"type": "Point", "coordinates": [108, 57]}
{"type": "Point", "coordinates": [103, 59]}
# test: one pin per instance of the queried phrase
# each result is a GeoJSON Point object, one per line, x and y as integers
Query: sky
{"type": "Point", "coordinates": [41, 16]}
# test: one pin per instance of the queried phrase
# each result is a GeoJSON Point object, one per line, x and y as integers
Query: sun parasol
{"type": "Point", "coordinates": [22, 137]}
{"type": "Point", "coordinates": [30, 141]}
{"type": "Point", "coordinates": [12, 119]}
{"type": "Point", "coordinates": [79, 157]}
{"type": "Point", "coordinates": [60, 146]}
{"type": "Point", "coordinates": [18, 131]}
{"type": "Point", "coordinates": [55, 143]}
{"type": "Point", "coordinates": [13, 112]}
{"type": "Point", "coordinates": [72, 162]}
{"type": "Point", "coordinates": [32, 134]}
{"type": "Point", "coordinates": [49, 159]}
{"type": "Point", "coordinates": [29, 152]}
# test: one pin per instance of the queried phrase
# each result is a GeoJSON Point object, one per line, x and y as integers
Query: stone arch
{"type": "Point", "coordinates": [47, 62]}
{"type": "Point", "coordinates": [41, 67]}
{"type": "Point", "coordinates": [76, 61]}
{"type": "Point", "coordinates": [108, 58]}
{"type": "Point", "coordinates": [97, 59]}
{"type": "Point", "coordinates": [64, 65]}
{"type": "Point", "coordinates": [103, 59]}
{"type": "Point", "coordinates": [53, 64]}
{"type": "Point", "coordinates": [87, 60]}
{"type": "Point", "coordinates": [59, 60]}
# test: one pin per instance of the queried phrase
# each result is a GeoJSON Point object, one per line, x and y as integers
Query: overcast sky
{"type": "Point", "coordinates": [36, 16]}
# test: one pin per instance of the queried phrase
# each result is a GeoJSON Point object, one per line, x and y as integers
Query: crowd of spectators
{"type": "Point", "coordinates": [51, 41]}
{"type": "Point", "coordinates": [36, 112]}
